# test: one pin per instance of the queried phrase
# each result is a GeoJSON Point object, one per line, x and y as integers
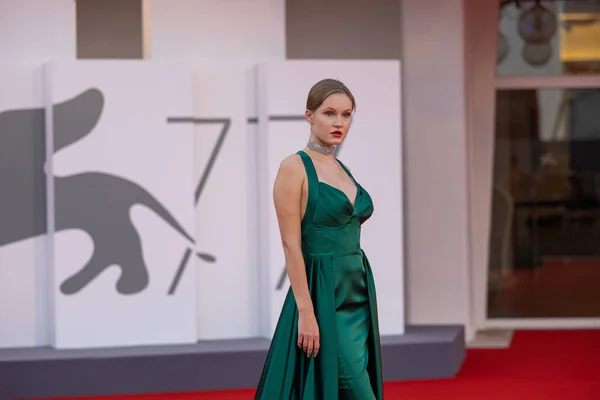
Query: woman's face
{"type": "Point", "coordinates": [331, 121]}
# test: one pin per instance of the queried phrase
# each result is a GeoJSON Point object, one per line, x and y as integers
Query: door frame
{"type": "Point", "coordinates": [532, 82]}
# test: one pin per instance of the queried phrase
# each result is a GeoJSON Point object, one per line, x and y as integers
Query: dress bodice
{"type": "Point", "coordinates": [331, 223]}
{"type": "Point", "coordinates": [342, 290]}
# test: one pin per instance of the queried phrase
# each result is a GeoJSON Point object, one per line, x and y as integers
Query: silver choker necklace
{"type": "Point", "coordinates": [327, 150]}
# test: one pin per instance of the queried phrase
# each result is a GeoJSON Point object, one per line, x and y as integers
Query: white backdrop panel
{"type": "Point", "coordinates": [123, 215]}
{"type": "Point", "coordinates": [23, 258]}
{"type": "Point", "coordinates": [372, 151]}
{"type": "Point", "coordinates": [226, 208]}
{"type": "Point", "coordinates": [31, 32]}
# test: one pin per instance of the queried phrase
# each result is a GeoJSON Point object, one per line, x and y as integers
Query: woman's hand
{"type": "Point", "coordinates": [308, 333]}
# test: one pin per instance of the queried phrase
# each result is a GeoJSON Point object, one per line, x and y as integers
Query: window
{"type": "Point", "coordinates": [544, 258]}
{"type": "Point", "coordinates": [549, 38]}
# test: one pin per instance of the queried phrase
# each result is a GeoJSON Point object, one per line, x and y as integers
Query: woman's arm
{"type": "Point", "coordinates": [287, 195]}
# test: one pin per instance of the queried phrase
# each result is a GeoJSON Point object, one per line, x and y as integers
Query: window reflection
{"type": "Point", "coordinates": [544, 258]}
{"type": "Point", "coordinates": [548, 38]}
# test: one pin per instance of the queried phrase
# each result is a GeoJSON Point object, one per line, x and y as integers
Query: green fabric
{"type": "Point", "coordinates": [340, 281]}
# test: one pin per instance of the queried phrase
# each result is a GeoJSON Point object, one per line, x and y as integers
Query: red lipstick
{"type": "Point", "coordinates": [337, 134]}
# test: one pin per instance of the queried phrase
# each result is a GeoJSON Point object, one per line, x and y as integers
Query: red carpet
{"type": "Point", "coordinates": [540, 365]}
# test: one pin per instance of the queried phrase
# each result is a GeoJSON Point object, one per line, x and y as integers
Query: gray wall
{"type": "Point", "coordinates": [343, 29]}
{"type": "Point", "coordinates": [109, 29]}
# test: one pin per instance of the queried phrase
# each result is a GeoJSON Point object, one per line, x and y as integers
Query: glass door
{"type": "Point", "coordinates": [544, 242]}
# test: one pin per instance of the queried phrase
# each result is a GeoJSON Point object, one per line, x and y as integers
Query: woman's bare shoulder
{"type": "Point", "coordinates": [292, 166]}
{"type": "Point", "coordinates": [290, 177]}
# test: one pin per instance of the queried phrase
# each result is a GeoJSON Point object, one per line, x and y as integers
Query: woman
{"type": "Point", "coordinates": [326, 343]}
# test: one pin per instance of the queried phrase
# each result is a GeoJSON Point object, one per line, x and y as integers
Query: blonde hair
{"type": "Point", "coordinates": [323, 89]}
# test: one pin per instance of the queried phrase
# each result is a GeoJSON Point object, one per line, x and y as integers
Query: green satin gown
{"type": "Point", "coordinates": [340, 280]}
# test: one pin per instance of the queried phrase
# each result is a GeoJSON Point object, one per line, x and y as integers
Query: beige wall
{"type": "Point", "coordinates": [481, 103]}
{"type": "Point", "coordinates": [217, 30]}
{"type": "Point", "coordinates": [435, 162]}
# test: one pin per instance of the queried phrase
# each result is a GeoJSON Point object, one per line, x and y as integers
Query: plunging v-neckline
{"type": "Point", "coordinates": [350, 202]}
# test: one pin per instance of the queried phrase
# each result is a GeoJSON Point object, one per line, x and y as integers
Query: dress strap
{"type": "Point", "coordinates": [313, 187]}
{"type": "Point", "coordinates": [346, 169]}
